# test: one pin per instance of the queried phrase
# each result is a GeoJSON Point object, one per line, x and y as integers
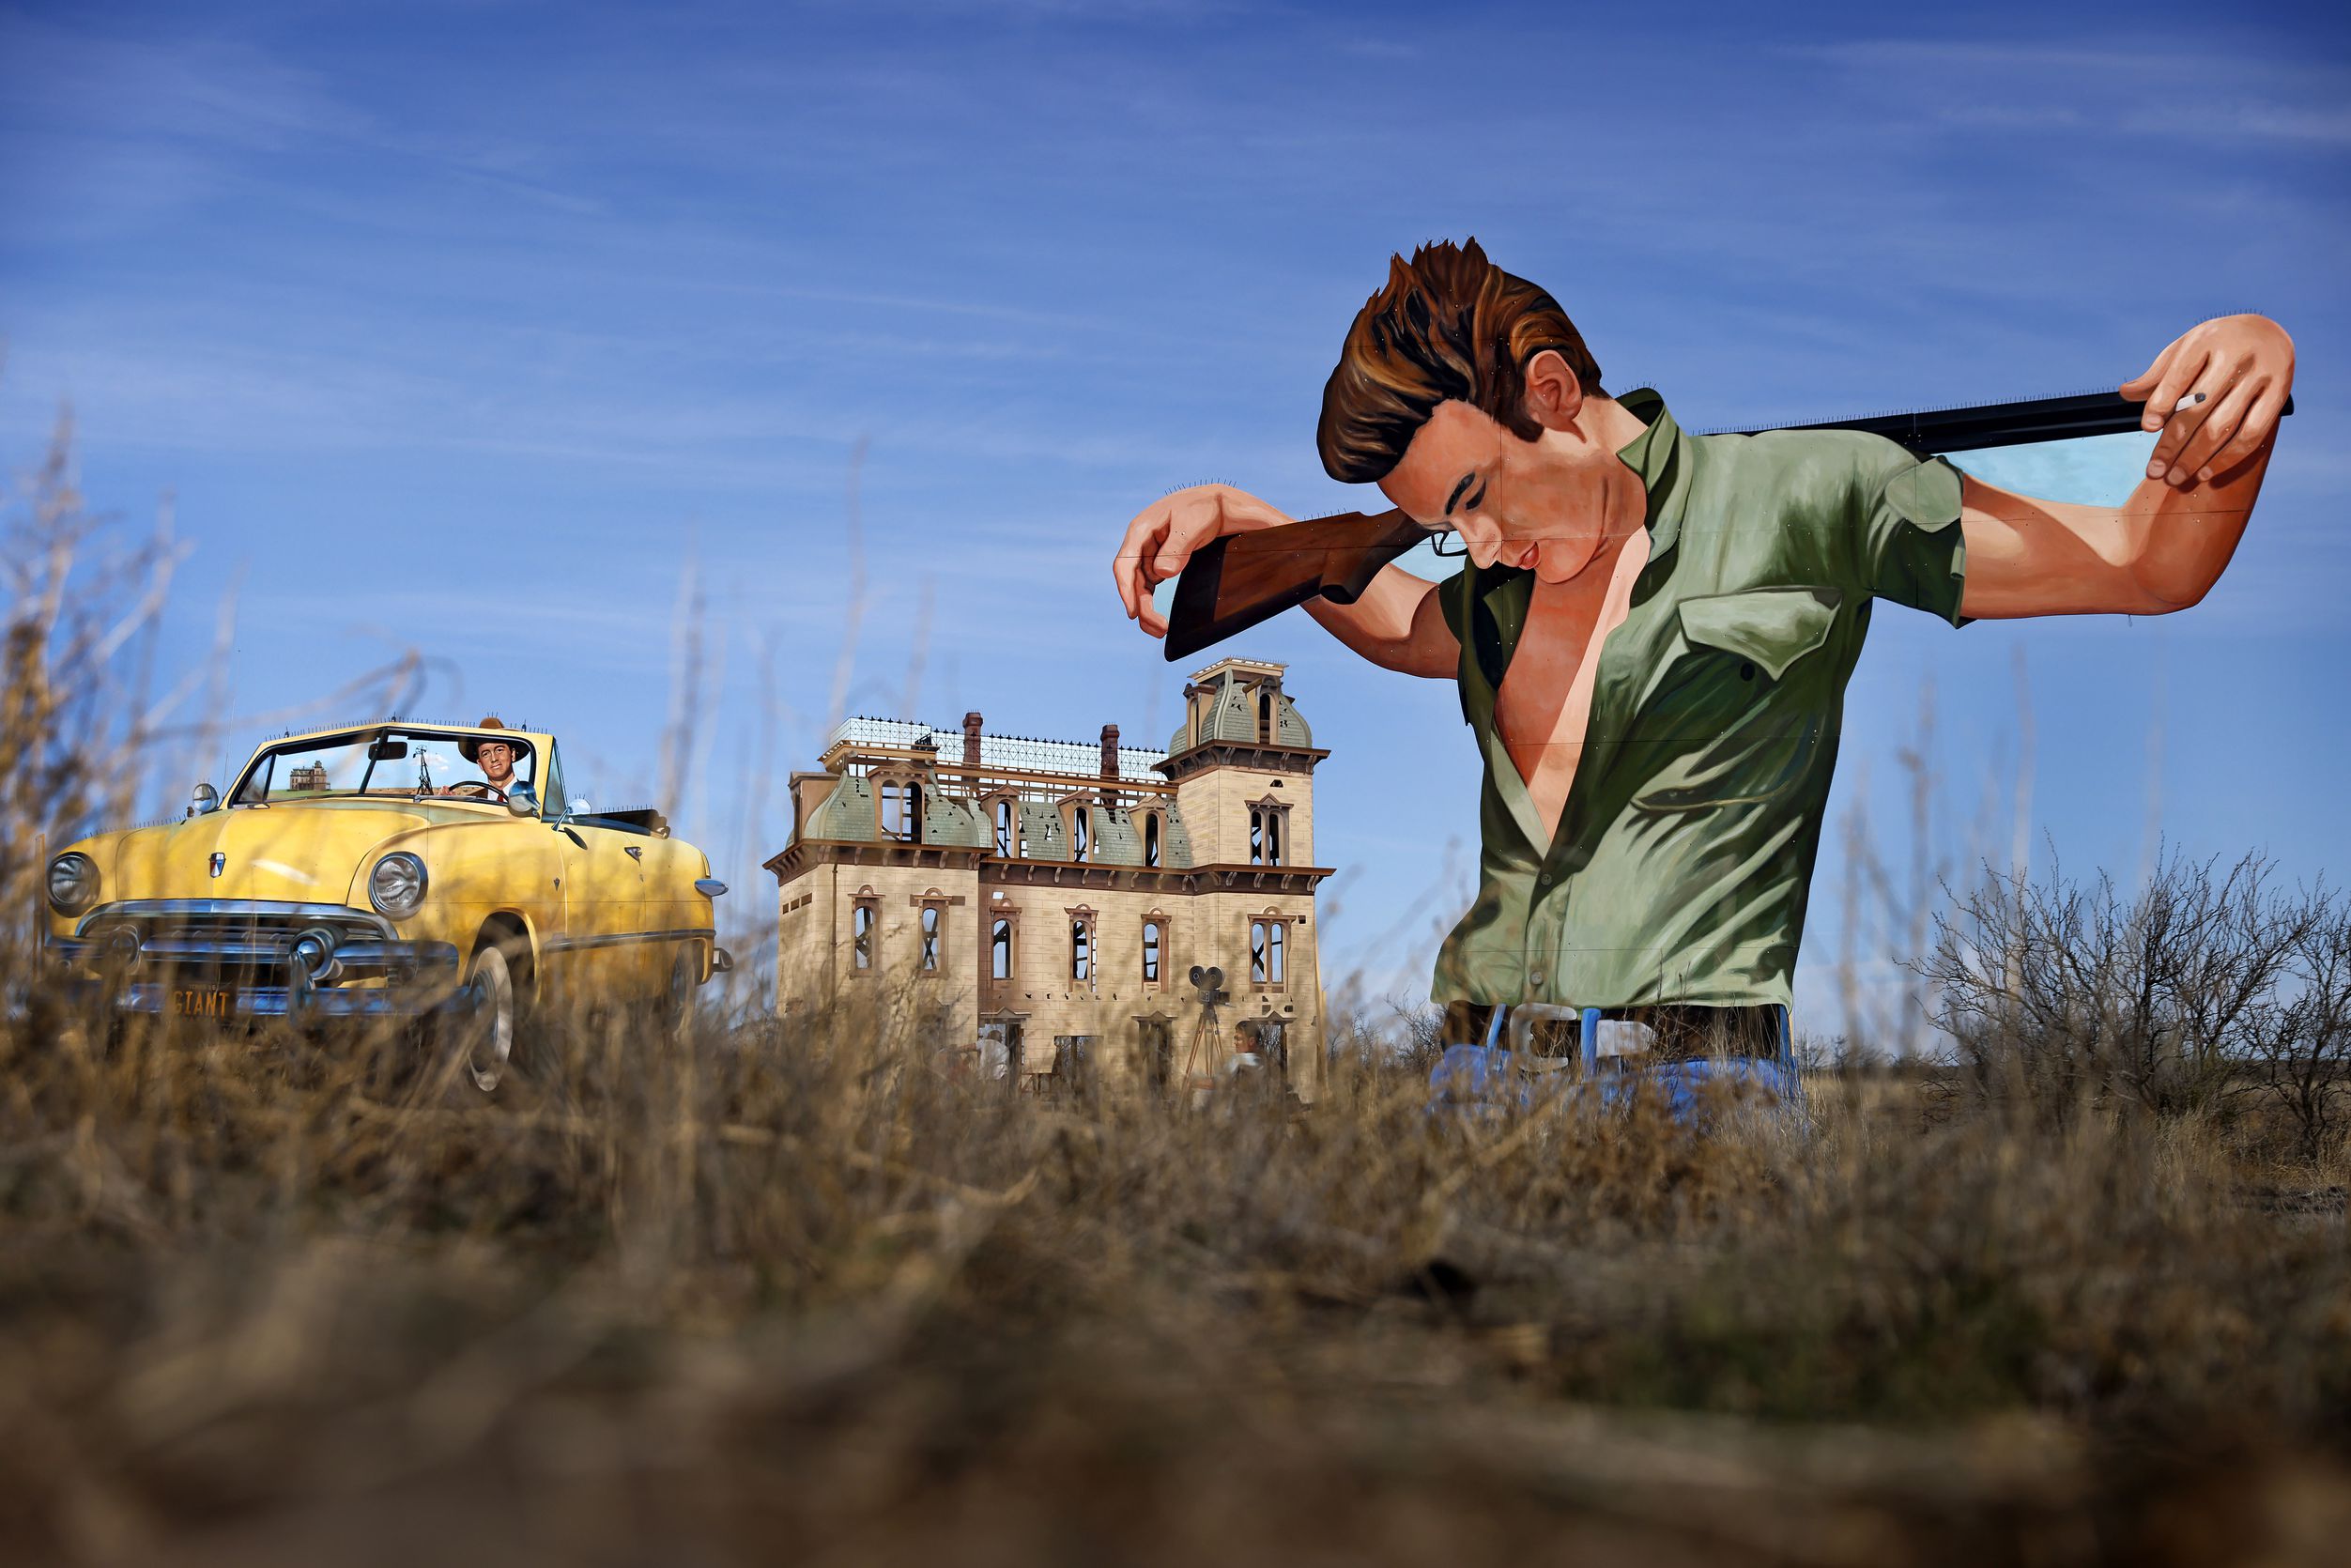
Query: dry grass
{"type": "Point", "coordinates": [692, 1297]}
{"type": "Point", "coordinates": [748, 1293]}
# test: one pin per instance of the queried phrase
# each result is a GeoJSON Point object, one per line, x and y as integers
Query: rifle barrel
{"type": "Point", "coordinates": [2024, 422]}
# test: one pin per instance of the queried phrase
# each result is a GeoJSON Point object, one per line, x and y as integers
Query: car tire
{"type": "Point", "coordinates": [486, 1036]}
{"type": "Point", "coordinates": [677, 1001]}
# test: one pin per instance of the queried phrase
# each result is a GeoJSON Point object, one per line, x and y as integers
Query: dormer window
{"type": "Point", "coordinates": [901, 810]}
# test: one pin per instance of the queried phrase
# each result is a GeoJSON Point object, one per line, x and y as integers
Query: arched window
{"type": "Point", "coordinates": [1150, 837]}
{"type": "Point", "coordinates": [931, 939]}
{"type": "Point", "coordinates": [1266, 823]}
{"type": "Point", "coordinates": [1264, 715]}
{"type": "Point", "coordinates": [1078, 825]}
{"type": "Point", "coordinates": [1000, 948]}
{"type": "Point", "coordinates": [1082, 950]}
{"type": "Point", "coordinates": [1154, 936]}
{"type": "Point", "coordinates": [1005, 829]}
{"type": "Point", "coordinates": [860, 942]}
{"type": "Point", "coordinates": [1265, 952]}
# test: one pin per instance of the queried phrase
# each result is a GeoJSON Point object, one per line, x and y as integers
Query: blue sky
{"type": "Point", "coordinates": [476, 326]}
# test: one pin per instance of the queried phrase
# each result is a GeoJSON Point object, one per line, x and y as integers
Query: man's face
{"type": "Point", "coordinates": [1537, 504]}
{"type": "Point", "coordinates": [497, 761]}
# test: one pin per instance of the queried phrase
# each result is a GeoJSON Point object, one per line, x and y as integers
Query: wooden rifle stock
{"type": "Point", "coordinates": [1242, 578]}
{"type": "Point", "coordinates": [1232, 583]}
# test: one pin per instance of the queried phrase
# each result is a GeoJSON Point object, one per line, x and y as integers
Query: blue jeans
{"type": "Point", "coordinates": [1484, 1078]}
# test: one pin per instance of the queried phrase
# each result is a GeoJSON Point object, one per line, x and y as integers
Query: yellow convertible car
{"type": "Point", "coordinates": [392, 869]}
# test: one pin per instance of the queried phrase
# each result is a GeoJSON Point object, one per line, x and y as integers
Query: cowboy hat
{"type": "Point", "coordinates": [472, 743]}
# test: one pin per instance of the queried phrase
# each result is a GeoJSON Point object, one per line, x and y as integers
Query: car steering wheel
{"type": "Point", "coordinates": [481, 789]}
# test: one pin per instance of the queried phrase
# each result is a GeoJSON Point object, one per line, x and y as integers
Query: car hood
{"type": "Point", "coordinates": [303, 854]}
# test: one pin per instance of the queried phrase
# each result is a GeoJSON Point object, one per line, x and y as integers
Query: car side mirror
{"type": "Point", "coordinates": [522, 800]}
{"type": "Point", "coordinates": [204, 798]}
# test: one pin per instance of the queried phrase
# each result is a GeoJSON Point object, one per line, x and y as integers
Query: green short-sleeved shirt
{"type": "Point", "coordinates": [1681, 863]}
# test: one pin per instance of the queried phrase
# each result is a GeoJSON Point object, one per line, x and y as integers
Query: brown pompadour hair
{"type": "Point", "coordinates": [1449, 324]}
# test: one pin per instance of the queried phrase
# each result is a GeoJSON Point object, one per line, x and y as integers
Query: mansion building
{"type": "Point", "coordinates": [1049, 899]}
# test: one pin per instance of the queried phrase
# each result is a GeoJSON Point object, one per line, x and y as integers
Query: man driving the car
{"type": "Point", "coordinates": [495, 758]}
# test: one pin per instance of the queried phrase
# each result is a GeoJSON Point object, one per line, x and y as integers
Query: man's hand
{"type": "Point", "coordinates": [1164, 534]}
{"type": "Point", "coordinates": [2244, 367]}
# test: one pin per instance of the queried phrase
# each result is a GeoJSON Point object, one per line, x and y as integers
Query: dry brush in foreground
{"type": "Point", "coordinates": [684, 1298]}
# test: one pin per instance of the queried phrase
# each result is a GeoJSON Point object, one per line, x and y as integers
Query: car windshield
{"type": "Point", "coordinates": [385, 762]}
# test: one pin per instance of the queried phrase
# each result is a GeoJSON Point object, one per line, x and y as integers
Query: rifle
{"type": "Point", "coordinates": [1233, 583]}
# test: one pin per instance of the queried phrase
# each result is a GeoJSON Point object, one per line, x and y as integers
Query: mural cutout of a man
{"type": "Point", "coordinates": [496, 759]}
{"type": "Point", "coordinates": [1653, 630]}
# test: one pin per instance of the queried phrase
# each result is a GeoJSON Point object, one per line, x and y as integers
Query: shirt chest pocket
{"type": "Point", "coordinates": [1730, 720]}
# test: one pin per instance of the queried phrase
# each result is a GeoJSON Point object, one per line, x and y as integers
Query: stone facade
{"type": "Point", "coordinates": [1046, 901]}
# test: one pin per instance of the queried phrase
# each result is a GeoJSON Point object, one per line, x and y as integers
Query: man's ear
{"type": "Point", "coordinates": [1553, 396]}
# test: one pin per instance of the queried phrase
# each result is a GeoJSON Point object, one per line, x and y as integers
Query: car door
{"type": "Point", "coordinates": [604, 893]}
{"type": "Point", "coordinates": [603, 906]}
{"type": "Point", "coordinates": [678, 915]}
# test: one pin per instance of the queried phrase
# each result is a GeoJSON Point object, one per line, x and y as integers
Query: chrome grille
{"type": "Point", "coordinates": [223, 941]}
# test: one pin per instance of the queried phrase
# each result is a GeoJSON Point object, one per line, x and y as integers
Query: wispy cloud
{"type": "Point", "coordinates": [2199, 94]}
{"type": "Point", "coordinates": [204, 89]}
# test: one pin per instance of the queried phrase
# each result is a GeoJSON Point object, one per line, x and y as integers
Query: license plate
{"type": "Point", "coordinates": [202, 1003]}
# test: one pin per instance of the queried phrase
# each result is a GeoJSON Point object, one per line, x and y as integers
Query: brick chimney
{"type": "Point", "coordinates": [1110, 763]}
{"type": "Point", "coordinates": [970, 740]}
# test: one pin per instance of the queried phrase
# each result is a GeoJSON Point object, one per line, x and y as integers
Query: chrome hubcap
{"type": "Point", "coordinates": [490, 1032]}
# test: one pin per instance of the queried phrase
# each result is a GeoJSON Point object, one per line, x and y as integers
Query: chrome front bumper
{"type": "Point", "coordinates": [235, 959]}
{"type": "Point", "coordinates": [317, 1001]}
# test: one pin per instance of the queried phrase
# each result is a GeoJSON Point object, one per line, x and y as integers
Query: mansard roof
{"type": "Point", "coordinates": [1230, 715]}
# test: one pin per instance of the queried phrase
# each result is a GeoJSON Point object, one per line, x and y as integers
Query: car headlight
{"type": "Point", "coordinates": [396, 885]}
{"type": "Point", "coordinates": [72, 882]}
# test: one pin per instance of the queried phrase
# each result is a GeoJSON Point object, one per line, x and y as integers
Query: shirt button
{"type": "Point", "coordinates": [1534, 976]}
{"type": "Point", "coordinates": [1545, 878]}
